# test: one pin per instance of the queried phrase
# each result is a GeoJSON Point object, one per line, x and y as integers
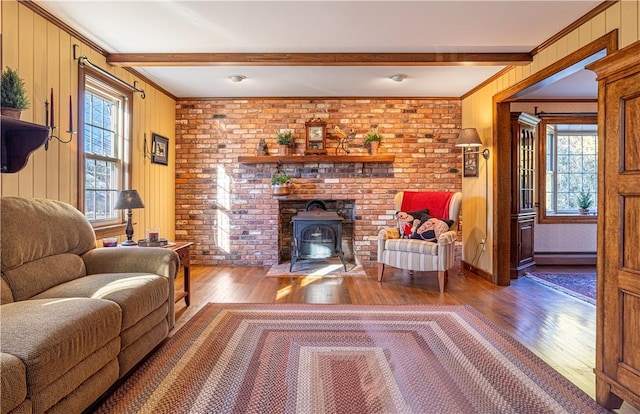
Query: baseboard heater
{"type": "Point", "coordinates": [565, 258]}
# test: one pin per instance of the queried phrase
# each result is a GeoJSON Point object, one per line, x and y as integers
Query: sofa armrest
{"type": "Point", "coordinates": [154, 260]}
{"type": "Point", "coordinates": [447, 238]}
{"type": "Point", "coordinates": [384, 235]}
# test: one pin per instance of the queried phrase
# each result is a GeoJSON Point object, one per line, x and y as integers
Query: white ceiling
{"type": "Point", "coordinates": [355, 26]}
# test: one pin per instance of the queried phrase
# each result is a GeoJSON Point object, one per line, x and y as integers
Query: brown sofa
{"type": "Point", "coordinates": [73, 318]}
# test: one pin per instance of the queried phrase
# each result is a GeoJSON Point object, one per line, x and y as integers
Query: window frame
{"type": "Point", "coordinates": [543, 217]}
{"type": "Point", "coordinates": [109, 227]}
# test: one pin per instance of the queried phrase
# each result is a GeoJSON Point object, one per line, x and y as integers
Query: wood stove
{"type": "Point", "coordinates": [317, 234]}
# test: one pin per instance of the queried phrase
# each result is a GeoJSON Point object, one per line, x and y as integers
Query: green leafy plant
{"type": "Point", "coordinates": [14, 93]}
{"type": "Point", "coordinates": [585, 200]}
{"type": "Point", "coordinates": [373, 136]}
{"type": "Point", "coordinates": [284, 137]}
{"type": "Point", "coordinates": [280, 177]}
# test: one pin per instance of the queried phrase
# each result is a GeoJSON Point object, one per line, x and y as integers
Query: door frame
{"type": "Point", "coordinates": [502, 142]}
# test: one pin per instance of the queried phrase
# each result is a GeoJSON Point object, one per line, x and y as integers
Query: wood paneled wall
{"type": "Point", "coordinates": [477, 111]}
{"type": "Point", "coordinates": [42, 54]}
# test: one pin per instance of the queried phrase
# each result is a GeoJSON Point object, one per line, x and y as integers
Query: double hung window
{"type": "Point", "coordinates": [104, 140]}
{"type": "Point", "coordinates": [570, 153]}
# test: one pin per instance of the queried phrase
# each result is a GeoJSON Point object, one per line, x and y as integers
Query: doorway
{"type": "Point", "coordinates": [502, 183]}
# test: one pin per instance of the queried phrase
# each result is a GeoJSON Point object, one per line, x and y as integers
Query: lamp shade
{"type": "Point", "coordinates": [128, 199]}
{"type": "Point", "coordinates": [469, 138]}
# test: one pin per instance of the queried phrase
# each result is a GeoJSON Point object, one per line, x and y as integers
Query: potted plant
{"type": "Point", "coordinates": [14, 94]}
{"type": "Point", "coordinates": [280, 182]}
{"type": "Point", "coordinates": [585, 201]}
{"type": "Point", "coordinates": [373, 138]}
{"type": "Point", "coordinates": [284, 138]}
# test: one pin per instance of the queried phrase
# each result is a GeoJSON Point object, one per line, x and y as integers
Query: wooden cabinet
{"type": "Point", "coordinates": [19, 140]}
{"type": "Point", "coordinates": [523, 168]}
{"type": "Point", "coordinates": [618, 263]}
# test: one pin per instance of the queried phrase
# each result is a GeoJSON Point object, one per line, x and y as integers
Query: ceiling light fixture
{"type": "Point", "coordinates": [237, 78]}
{"type": "Point", "coordinates": [398, 77]}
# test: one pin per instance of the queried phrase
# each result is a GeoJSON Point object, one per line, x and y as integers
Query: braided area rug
{"type": "Point", "coordinates": [272, 358]}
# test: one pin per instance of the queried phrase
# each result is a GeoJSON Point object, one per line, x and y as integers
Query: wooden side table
{"type": "Point", "coordinates": [183, 250]}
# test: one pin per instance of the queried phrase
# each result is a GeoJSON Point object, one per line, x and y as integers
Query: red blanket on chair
{"type": "Point", "coordinates": [436, 201]}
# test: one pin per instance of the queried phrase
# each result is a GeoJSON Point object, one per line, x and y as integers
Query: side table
{"type": "Point", "coordinates": [183, 250]}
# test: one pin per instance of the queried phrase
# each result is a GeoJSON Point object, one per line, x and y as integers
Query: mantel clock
{"type": "Point", "coordinates": [316, 137]}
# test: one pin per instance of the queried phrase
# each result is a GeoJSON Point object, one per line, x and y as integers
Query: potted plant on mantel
{"type": "Point", "coordinates": [585, 201]}
{"type": "Point", "coordinates": [280, 182]}
{"type": "Point", "coordinates": [284, 138]}
{"type": "Point", "coordinates": [373, 138]}
{"type": "Point", "coordinates": [14, 94]}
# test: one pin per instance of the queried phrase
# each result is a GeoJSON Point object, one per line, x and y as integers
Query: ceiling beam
{"type": "Point", "coordinates": [318, 59]}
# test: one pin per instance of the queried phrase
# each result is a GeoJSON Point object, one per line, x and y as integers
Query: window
{"type": "Point", "coordinates": [104, 141]}
{"type": "Point", "coordinates": [570, 153]}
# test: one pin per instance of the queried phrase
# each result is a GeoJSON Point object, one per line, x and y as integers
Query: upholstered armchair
{"type": "Point", "coordinates": [416, 254]}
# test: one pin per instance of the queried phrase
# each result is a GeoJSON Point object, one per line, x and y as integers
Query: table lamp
{"type": "Point", "coordinates": [128, 200]}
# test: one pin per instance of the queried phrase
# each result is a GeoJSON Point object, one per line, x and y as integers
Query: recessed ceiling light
{"type": "Point", "coordinates": [398, 77]}
{"type": "Point", "coordinates": [237, 78]}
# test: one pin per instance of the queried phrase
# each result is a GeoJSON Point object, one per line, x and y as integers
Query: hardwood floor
{"type": "Point", "coordinates": [558, 328]}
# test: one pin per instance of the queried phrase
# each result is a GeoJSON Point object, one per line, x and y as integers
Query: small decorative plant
{"type": "Point", "coordinates": [284, 137]}
{"type": "Point", "coordinates": [280, 181]}
{"type": "Point", "coordinates": [14, 93]}
{"type": "Point", "coordinates": [373, 136]}
{"type": "Point", "coordinates": [280, 178]}
{"type": "Point", "coordinates": [585, 201]}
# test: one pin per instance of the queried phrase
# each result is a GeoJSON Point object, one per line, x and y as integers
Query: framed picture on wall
{"type": "Point", "coordinates": [470, 164]}
{"type": "Point", "coordinates": [159, 149]}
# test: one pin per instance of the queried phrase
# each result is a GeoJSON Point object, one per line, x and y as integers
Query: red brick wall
{"type": "Point", "coordinates": [226, 208]}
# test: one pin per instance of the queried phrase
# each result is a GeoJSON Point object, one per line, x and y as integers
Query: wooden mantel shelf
{"type": "Point", "coordinates": [291, 159]}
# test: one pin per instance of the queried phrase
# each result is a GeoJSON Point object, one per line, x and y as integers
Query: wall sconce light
{"type": "Point", "coordinates": [51, 122]}
{"type": "Point", "coordinates": [469, 138]}
{"type": "Point", "coordinates": [398, 77]}
{"type": "Point", "coordinates": [237, 78]}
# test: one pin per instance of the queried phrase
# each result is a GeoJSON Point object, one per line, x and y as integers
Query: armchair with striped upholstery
{"type": "Point", "coordinates": [421, 255]}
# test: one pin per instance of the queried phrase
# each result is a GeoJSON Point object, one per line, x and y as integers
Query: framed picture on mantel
{"type": "Point", "coordinates": [316, 137]}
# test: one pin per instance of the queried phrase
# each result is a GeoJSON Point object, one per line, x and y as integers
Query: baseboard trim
{"type": "Point", "coordinates": [485, 275]}
{"type": "Point", "coordinates": [565, 258]}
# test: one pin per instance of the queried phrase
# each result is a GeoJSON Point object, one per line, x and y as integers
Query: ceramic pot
{"type": "Point", "coordinates": [283, 149]}
{"type": "Point", "coordinates": [11, 112]}
{"type": "Point", "coordinates": [373, 147]}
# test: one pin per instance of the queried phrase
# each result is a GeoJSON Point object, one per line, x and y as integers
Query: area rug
{"type": "Point", "coordinates": [579, 285]}
{"type": "Point", "coordinates": [315, 268]}
{"type": "Point", "coordinates": [278, 358]}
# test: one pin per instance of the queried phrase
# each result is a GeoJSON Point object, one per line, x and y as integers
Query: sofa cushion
{"type": "Point", "coordinates": [59, 390]}
{"type": "Point", "coordinates": [51, 336]}
{"type": "Point", "coordinates": [412, 246]}
{"type": "Point", "coordinates": [14, 382]}
{"type": "Point", "coordinates": [39, 275]}
{"type": "Point", "coordinates": [31, 229]}
{"type": "Point", "coordinates": [6, 296]}
{"type": "Point", "coordinates": [137, 294]}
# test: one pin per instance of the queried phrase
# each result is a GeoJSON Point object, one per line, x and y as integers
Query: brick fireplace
{"type": "Point", "coordinates": [225, 207]}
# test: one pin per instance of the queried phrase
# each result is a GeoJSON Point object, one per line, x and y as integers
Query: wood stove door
{"type": "Point", "coordinates": [317, 241]}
